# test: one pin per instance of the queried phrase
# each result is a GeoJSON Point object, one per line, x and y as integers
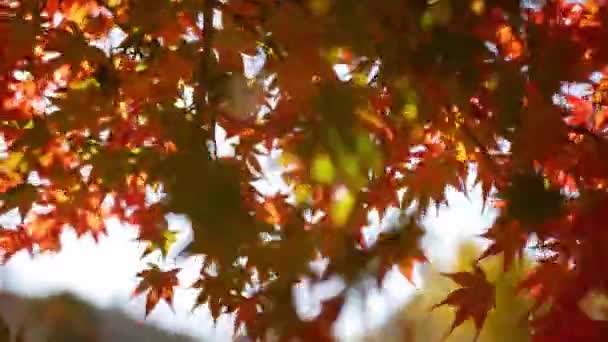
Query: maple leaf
{"type": "Point", "coordinates": [159, 285]}
{"type": "Point", "coordinates": [12, 241]}
{"type": "Point", "coordinates": [45, 232]}
{"type": "Point", "coordinates": [428, 181]}
{"type": "Point", "coordinates": [297, 75]}
{"type": "Point", "coordinates": [35, 135]}
{"type": "Point", "coordinates": [289, 256]}
{"type": "Point", "coordinates": [11, 169]}
{"type": "Point", "coordinates": [247, 314]}
{"type": "Point", "coordinates": [21, 197]}
{"type": "Point", "coordinates": [531, 200]}
{"type": "Point", "coordinates": [569, 325]}
{"type": "Point", "coordinates": [274, 210]}
{"type": "Point", "coordinates": [382, 193]}
{"type": "Point", "coordinates": [162, 241]}
{"type": "Point", "coordinates": [509, 238]}
{"type": "Point", "coordinates": [153, 229]}
{"type": "Point", "coordinates": [401, 247]}
{"type": "Point", "coordinates": [220, 292]}
{"type": "Point", "coordinates": [474, 299]}
{"type": "Point", "coordinates": [549, 282]}
{"type": "Point", "coordinates": [320, 329]}
{"type": "Point", "coordinates": [360, 108]}
{"type": "Point", "coordinates": [539, 116]}
{"type": "Point", "coordinates": [74, 48]}
{"type": "Point", "coordinates": [580, 110]}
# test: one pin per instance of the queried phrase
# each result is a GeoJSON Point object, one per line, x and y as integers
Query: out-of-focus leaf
{"type": "Point", "coordinates": [401, 248]}
{"type": "Point", "coordinates": [21, 197]}
{"type": "Point", "coordinates": [531, 200]}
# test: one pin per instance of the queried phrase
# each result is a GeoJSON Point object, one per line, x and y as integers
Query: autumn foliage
{"type": "Point", "coordinates": [113, 109]}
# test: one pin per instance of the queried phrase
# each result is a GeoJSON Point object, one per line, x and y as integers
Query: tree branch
{"type": "Point", "coordinates": [205, 72]}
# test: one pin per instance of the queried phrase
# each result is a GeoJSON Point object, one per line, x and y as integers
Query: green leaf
{"type": "Point", "coordinates": [323, 169]}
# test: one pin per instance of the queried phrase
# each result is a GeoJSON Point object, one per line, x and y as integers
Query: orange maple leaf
{"type": "Point", "coordinates": [12, 241]}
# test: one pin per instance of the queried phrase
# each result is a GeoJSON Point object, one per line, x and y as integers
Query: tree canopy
{"type": "Point", "coordinates": [113, 108]}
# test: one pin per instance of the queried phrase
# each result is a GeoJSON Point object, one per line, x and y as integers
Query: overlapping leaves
{"type": "Point", "coordinates": [364, 100]}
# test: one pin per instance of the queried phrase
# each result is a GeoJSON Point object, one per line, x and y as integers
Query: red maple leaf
{"type": "Point", "coordinates": [383, 193]}
{"type": "Point", "coordinates": [580, 110]}
{"type": "Point", "coordinates": [473, 300]}
{"type": "Point", "coordinates": [320, 329]}
{"type": "Point", "coordinates": [550, 282]}
{"type": "Point", "coordinates": [247, 314]}
{"type": "Point", "coordinates": [159, 285]}
{"type": "Point", "coordinates": [570, 325]}
{"type": "Point", "coordinates": [507, 237]}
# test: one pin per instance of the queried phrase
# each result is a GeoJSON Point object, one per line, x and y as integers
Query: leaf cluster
{"type": "Point", "coordinates": [370, 105]}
